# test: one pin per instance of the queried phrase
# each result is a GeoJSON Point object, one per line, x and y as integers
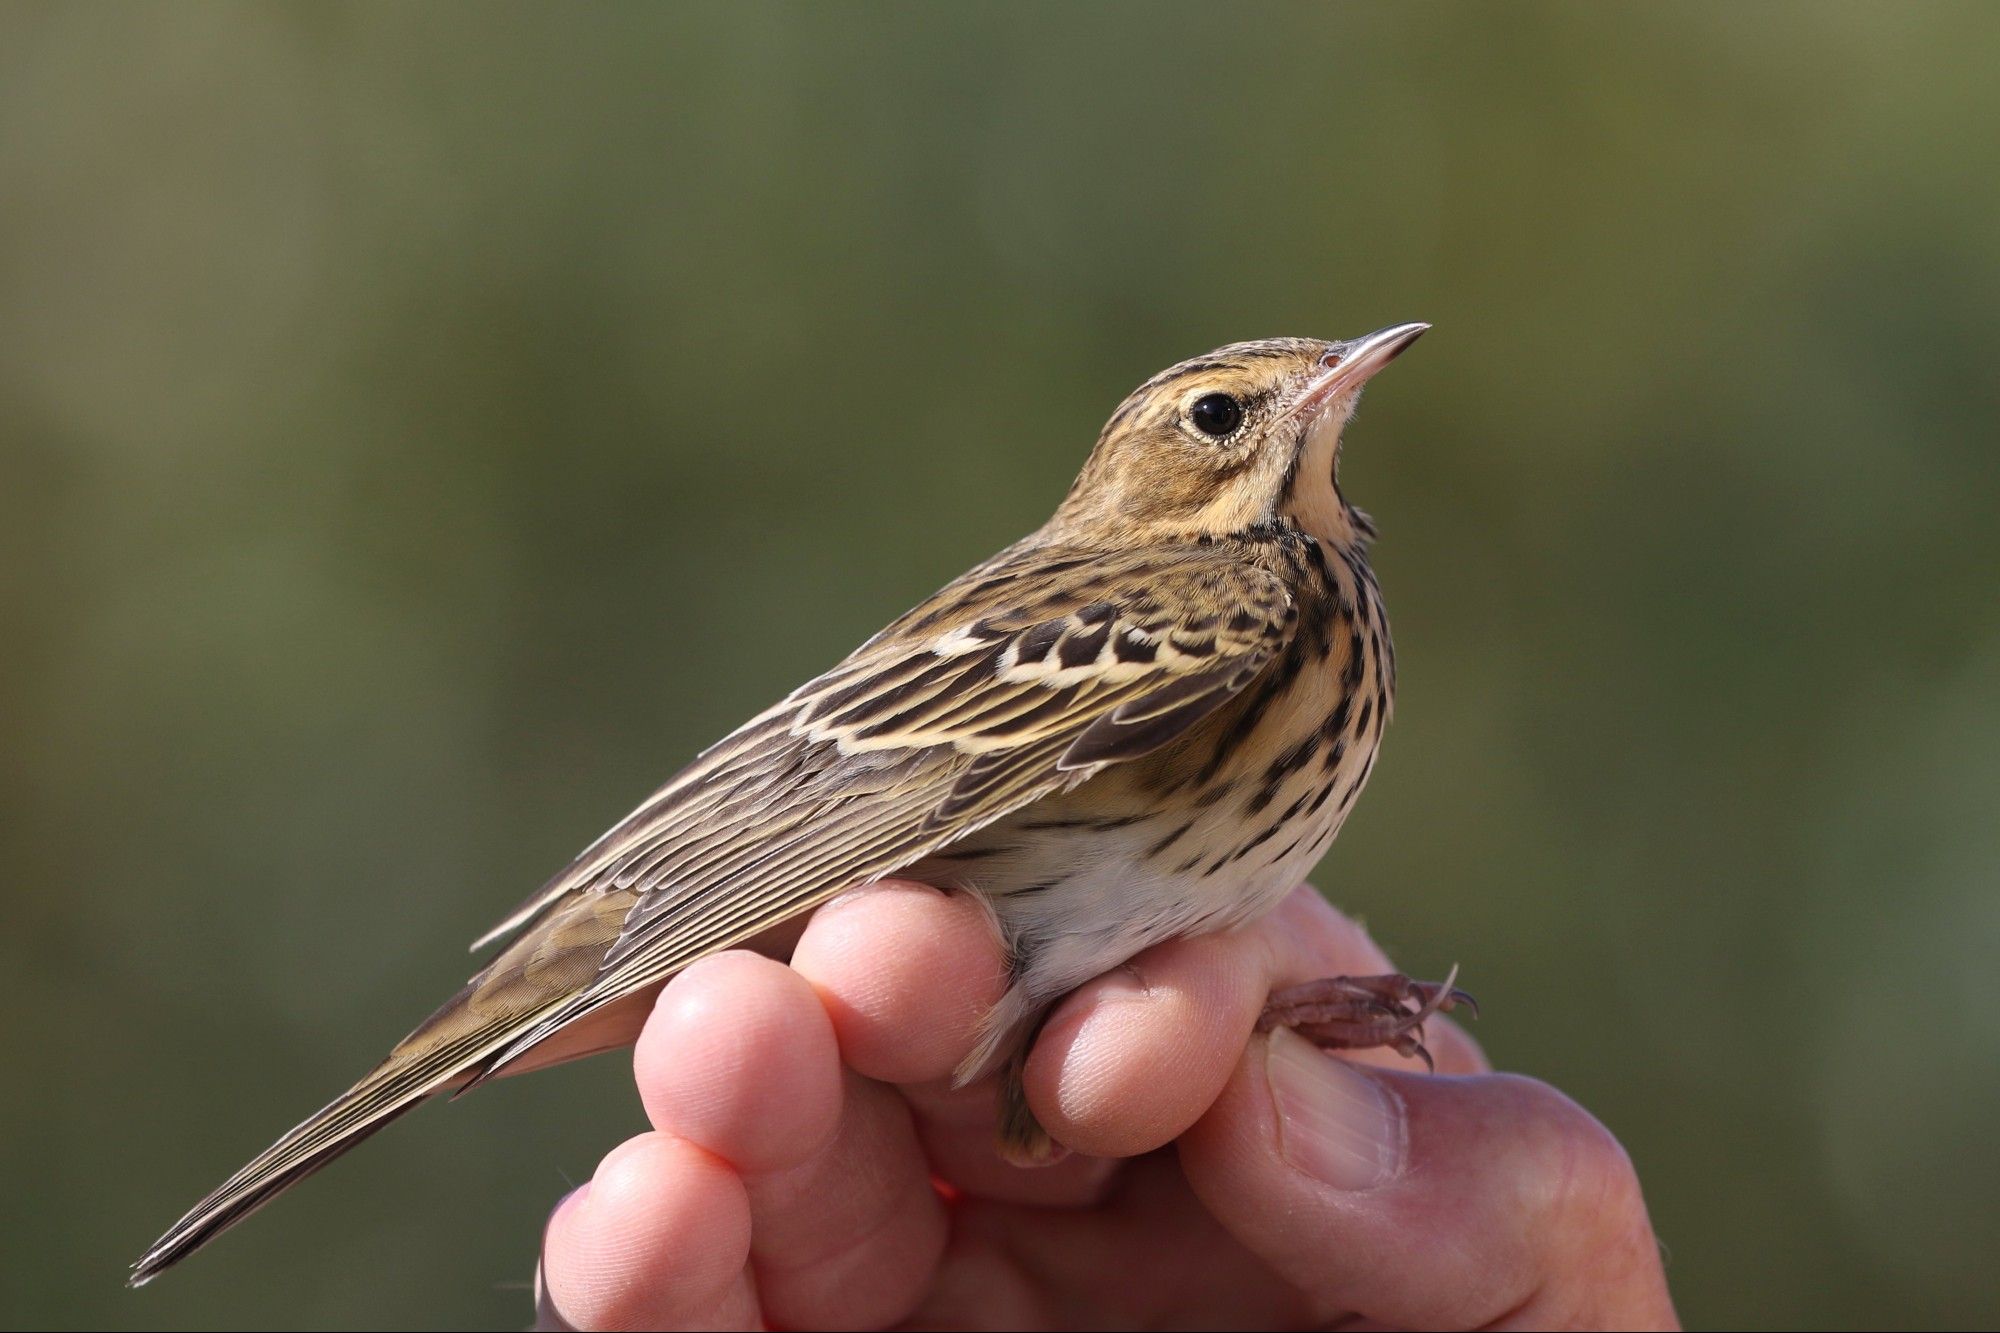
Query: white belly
{"type": "Point", "coordinates": [1075, 898]}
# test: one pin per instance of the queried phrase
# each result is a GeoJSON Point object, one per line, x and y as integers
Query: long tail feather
{"type": "Point", "coordinates": [282, 1166]}
{"type": "Point", "coordinates": [402, 1081]}
{"type": "Point", "coordinates": [453, 1047]}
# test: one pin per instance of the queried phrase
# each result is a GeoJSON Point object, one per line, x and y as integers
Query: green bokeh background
{"type": "Point", "coordinates": [422, 428]}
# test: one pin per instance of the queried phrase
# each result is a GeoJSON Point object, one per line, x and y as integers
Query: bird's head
{"type": "Point", "coordinates": [1242, 437]}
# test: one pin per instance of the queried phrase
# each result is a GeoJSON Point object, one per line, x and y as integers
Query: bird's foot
{"type": "Point", "coordinates": [1022, 1140]}
{"type": "Point", "coordinates": [1355, 1013]}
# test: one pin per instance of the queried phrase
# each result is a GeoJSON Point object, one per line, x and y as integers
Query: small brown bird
{"type": "Point", "coordinates": [1146, 720]}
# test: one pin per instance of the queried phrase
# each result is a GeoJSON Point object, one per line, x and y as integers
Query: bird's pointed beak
{"type": "Point", "coordinates": [1352, 364]}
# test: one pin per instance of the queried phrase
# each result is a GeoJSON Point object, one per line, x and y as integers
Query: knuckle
{"type": "Point", "coordinates": [1585, 1186]}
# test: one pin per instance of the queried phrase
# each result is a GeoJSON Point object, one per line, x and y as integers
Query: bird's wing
{"type": "Point", "coordinates": [1024, 676]}
{"type": "Point", "coordinates": [1033, 671]}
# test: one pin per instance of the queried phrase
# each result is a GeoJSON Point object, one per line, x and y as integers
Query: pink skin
{"type": "Point", "coordinates": [800, 1115]}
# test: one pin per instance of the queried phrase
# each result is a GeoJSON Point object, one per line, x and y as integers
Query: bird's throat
{"type": "Point", "coordinates": [1310, 497]}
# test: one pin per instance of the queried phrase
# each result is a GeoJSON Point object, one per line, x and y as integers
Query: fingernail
{"type": "Point", "coordinates": [1335, 1123]}
{"type": "Point", "coordinates": [1122, 983]}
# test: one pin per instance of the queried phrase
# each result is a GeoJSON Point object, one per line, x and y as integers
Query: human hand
{"type": "Point", "coordinates": [810, 1166]}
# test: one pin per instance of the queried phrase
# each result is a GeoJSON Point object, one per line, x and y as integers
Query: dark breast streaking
{"type": "Point", "coordinates": [1215, 827]}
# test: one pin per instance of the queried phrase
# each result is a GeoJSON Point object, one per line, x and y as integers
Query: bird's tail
{"type": "Point", "coordinates": [452, 1048]}
{"type": "Point", "coordinates": [393, 1087]}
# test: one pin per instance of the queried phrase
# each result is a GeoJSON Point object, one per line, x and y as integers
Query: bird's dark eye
{"type": "Point", "coordinates": [1216, 414]}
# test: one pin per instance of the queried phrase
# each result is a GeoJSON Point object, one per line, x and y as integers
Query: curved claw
{"type": "Point", "coordinates": [1359, 1012]}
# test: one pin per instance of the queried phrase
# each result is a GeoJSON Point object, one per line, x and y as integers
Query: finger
{"type": "Point", "coordinates": [1150, 1257]}
{"type": "Point", "coordinates": [657, 1239]}
{"type": "Point", "coordinates": [1131, 1060]}
{"type": "Point", "coordinates": [906, 974]}
{"type": "Point", "coordinates": [957, 1126]}
{"type": "Point", "coordinates": [740, 1059]}
{"type": "Point", "coordinates": [1426, 1202]}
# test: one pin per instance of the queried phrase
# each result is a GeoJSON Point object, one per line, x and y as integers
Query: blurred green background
{"type": "Point", "coordinates": [422, 428]}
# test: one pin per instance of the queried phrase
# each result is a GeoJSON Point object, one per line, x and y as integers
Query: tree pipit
{"type": "Point", "coordinates": [1145, 720]}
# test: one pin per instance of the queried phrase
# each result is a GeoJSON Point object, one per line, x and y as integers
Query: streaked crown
{"type": "Point", "coordinates": [1245, 435]}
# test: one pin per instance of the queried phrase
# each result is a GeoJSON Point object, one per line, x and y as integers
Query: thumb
{"type": "Point", "coordinates": [1426, 1201]}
